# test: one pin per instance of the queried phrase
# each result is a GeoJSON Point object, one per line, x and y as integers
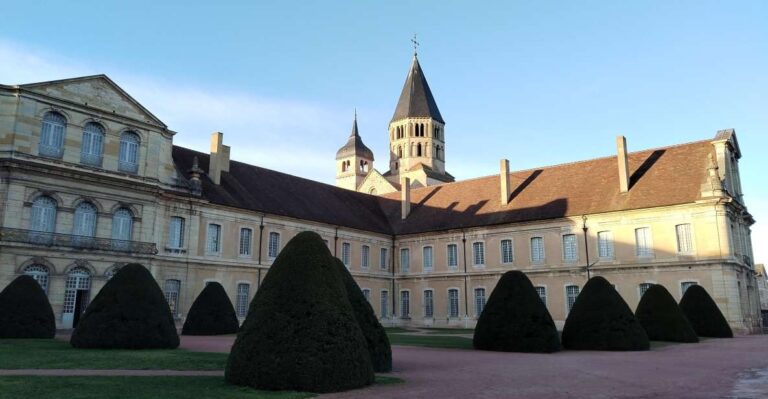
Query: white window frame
{"type": "Point", "coordinates": [248, 253]}
{"type": "Point", "coordinates": [84, 222]}
{"type": "Point", "coordinates": [176, 238]}
{"type": "Point", "coordinates": [122, 232]}
{"type": "Point", "coordinates": [542, 297]}
{"type": "Point", "coordinates": [507, 257]}
{"type": "Point", "coordinates": [478, 261]}
{"type": "Point", "coordinates": [427, 262]}
{"type": "Point", "coordinates": [92, 145]}
{"type": "Point", "coordinates": [644, 244]}
{"type": "Point", "coordinates": [482, 300]}
{"type": "Point", "coordinates": [640, 287]}
{"type": "Point", "coordinates": [429, 303]}
{"type": "Point", "coordinates": [346, 254]}
{"type": "Point", "coordinates": [40, 273]}
{"type": "Point", "coordinates": [535, 254]}
{"type": "Point", "coordinates": [273, 246]}
{"type": "Point", "coordinates": [566, 250]}
{"type": "Point", "coordinates": [53, 131]}
{"type": "Point", "coordinates": [242, 302]}
{"type": "Point", "coordinates": [128, 156]}
{"type": "Point", "coordinates": [384, 303]}
{"type": "Point", "coordinates": [405, 260]}
{"type": "Point", "coordinates": [209, 250]}
{"type": "Point", "coordinates": [405, 304]}
{"type": "Point", "coordinates": [173, 301]}
{"type": "Point", "coordinates": [383, 255]}
{"type": "Point", "coordinates": [44, 212]}
{"type": "Point", "coordinates": [681, 282]}
{"type": "Point", "coordinates": [605, 251]}
{"type": "Point", "coordinates": [567, 301]}
{"type": "Point", "coordinates": [366, 294]}
{"type": "Point", "coordinates": [689, 238]}
{"type": "Point", "coordinates": [450, 304]}
{"type": "Point", "coordinates": [365, 256]}
{"type": "Point", "coordinates": [448, 246]}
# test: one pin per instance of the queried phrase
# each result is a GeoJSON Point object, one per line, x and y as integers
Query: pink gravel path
{"type": "Point", "coordinates": [112, 373]}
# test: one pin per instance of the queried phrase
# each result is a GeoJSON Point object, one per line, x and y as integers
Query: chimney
{"type": "Point", "coordinates": [405, 196]}
{"type": "Point", "coordinates": [621, 148]}
{"type": "Point", "coordinates": [219, 161]}
{"type": "Point", "coordinates": [504, 181]}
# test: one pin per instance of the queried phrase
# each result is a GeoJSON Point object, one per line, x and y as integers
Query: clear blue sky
{"type": "Point", "coordinates": [537, 82]}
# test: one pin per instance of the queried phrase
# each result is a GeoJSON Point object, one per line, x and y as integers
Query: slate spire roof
{"type": "Point", "coordinates": [416, 99]}
{"type": "Point", "coordinates": [354, 145]}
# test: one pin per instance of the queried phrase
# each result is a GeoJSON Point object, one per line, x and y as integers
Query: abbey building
{"type": "Point", "coordinates": [90, 180]}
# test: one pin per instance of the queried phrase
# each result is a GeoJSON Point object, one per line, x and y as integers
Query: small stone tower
{"type": "Point", "coordinates": [353, 161]}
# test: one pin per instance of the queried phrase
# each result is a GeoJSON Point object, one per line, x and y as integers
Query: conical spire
{"type": "Point", "coordinates": [354, 145]}
{"type": "Point", "coordinates": [416, 99]}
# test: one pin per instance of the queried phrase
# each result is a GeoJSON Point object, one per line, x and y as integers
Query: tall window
{"type": "Point", "coordinates": [176, 232]}
{"type": "Point", "coordinates": [214, 238]}
{"type": "Point", "coordinates": [172, 288]}
{"type": "Point", "coordinates": [643, 243]}
{"type": "Point", "coordinates": [571, 292]}
{"type": "Point", "coordinates": [43, 214]}
{"type": "Point", "coordinates": [542, 291]}
{"type": "Point", "coordinates": [427, 258]}
{"type": "Point", "coordinates": [246, 238]}
{"type": "Point", "coordinates": [429, 303]}
{"type": "Point", "coordinates": [643, 287]}
{"type": "Point", "coordinates": [274, 245]}
{"type": "Point", "coordinates": [405, 260]}
{"type": "Point", "coordinates": [79, 279]}
{"type": "Point", "coordinates": [122, 225]}
{"type": "Point", "coordinates": [367, 294]}
{"type": "Point", "coordinates": [384, 303]}
{"type": "Point", "coordinates": [85, 220]}
{"type": "Point", "coordinates": [570, 252]}
{"type": "Point", "coordinates": [605, 244]}
{"type": "Point", "coordinates": [40, 274]}
{"type": "Point", "coordinates": [346, 250]}
{"type": "Point", "coordinates": [478, 253]}
{"type": "Point", "coordinates": [479, 301]}
{"type": "Point", "coordinates": [453, 256]}
{"type": "Point", "coordinates": [383, 259]}
{"type": "Point", "coordinates": [129, 153]}
{"type": "Point", "coordinates": [453, 302]}
{"type": "Point", "coordinates": [242, 299]}
{"type": "Point", "coordinates": [405, 304]}
{"type": "Point", "coordinates": [507, 255]}
{"type": "Point", "coordinates": [685, 285]}
{"type": "Point", "coordinates": [537, 249]}
{"type": "Point", "coordinates": [365, 255]}
{"type": "Point", "coordinates": [684, 241]}
{"type": "Point", "coordinates": [52, 135]}
{"type": "Point", "coordinates": [93, 144]}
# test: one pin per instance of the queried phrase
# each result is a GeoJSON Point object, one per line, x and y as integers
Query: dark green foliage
{"type": "Point", "coordinates": [375, 336]}
{"type": "Point", "coordinates": [25, 311]}
{"type": "Point", "coordinates": [703, 313]}
{"type": "Point", "coordinates": [601, 320]}
{"type": "Point", "coordinates": [515, 319]}
{"type": "Point", "coordinates": [130, 312]}
{"type": "Point", "coordinates": [212, 313]}
{"type": "Point", "coordinates": [662, 319]}
{"type": "Point", "coordinates": [301, 333]}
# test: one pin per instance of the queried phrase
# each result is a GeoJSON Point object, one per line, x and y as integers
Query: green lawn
{"type": "Point", "coordinates": [55, 354]}
{"type": "Point", "coordinates": [396, 330]}
{"type": "Point", "coordinates": [431, 341]}
{"type": "Point", "coordinates": [449, 331]}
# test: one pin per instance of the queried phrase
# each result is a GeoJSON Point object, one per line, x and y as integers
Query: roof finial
{"type": "Point", "coordinates": [355, 114]}
{"type": "Point", "coordinates": [415, 45]}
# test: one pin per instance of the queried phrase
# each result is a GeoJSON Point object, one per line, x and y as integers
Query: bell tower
{"type": "Point", "coordinates": [353, 161]}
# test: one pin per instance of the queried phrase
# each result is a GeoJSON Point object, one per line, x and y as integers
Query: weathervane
{"type": "Point", "coordinates": [415, 45]}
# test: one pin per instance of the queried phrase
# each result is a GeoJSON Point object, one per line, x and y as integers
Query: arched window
{"type": "Point", "coordinates": [418, 150]}
{"type": "Point", "coordinates": [93, 144]}
{"type": "Point", "coordinates": [399, 152]}
{"type": "Point", "coordinates": [343, 166]}
{"type": "Point", "coordinates": [43, 214]}
{"type": "Point", "coordinates": [39, 273]}
{"type": "Point", "coordinates": [122, 225]}
{"type": "Point", "coordinates": [76, 296]}
{"type": "Point", "coordinates": [129, 153]}
{"type": "Point", "coordinates": [52, 135]}
{"type": "Point", "coordinates": [85, 220]}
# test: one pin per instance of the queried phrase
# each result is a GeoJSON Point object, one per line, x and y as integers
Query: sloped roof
{"type": "Point", "coordinates": [416, 99]}
{"type": "Point", "coordinates": [354, 145]}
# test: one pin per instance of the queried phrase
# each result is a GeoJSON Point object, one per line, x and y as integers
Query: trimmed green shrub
{"type": "Point", "coordinates": [130, 312]}
{"type": "Point", "coordinates": [212, 313]}
{"type": "Point", "coordinates": [515, 319]}
{"type": "Point", "coordinates": [662, 318]}
{"type": "Point", "coordinates": [25, 311]}
{"type": "Point", "coordinates": [702, 311]}
{"type": "Point", "coordinates": [375, 336]}
{"type": "Point", "coordinates": [301, 333]}
{"type": "Point", "coordinates": [601, 320]}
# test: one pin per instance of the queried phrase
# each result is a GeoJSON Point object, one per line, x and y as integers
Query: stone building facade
{"type": "Point", "coordinates": [90, 180]}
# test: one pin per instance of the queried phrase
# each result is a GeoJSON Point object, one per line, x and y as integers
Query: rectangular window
{"type": "Point", "coordinates": [571, 292]}
{"type": "Point", "coordinates": [507, 255]}
{"type": "Point", "coordinates": [346, 250]}
{"type": "Point", "coordinates": [643, 287]}
{"type": "Point", "coordinates": [176, 233]}
{"type": "Point", "coordinates": [383, 259]}
{"type": "Point", "coordinates": [214, 238]}
{"type": "Point", "coordinates": [685, 285]}
{"type": "Point", "coordinates": [384, 303]}
{"type": "Point", "coordinates": [479, 301]}
{"type": "Point", "coordinates": [367, 294]}
{"type": "Point", "coordinates": [453, 302]}
{"type": "Point", "coordinates": [570, 252]}
{"type": "Point", "coordinates": [246, 238]}
{"type": "Point", "coordinates": [405, 260]}
{"type": "Point", "coordinates": [405, 304]}
{"type": "Point", "coordinates": [427, 258]}
{"type": "Point", "coordinates": [643, 243]}
{"type": "Point", "coordinates": [429, 303]}
{"type": "Point", "coordinates": [537, 249]}
{"type": "Point", "coordinates": [172, 288]}
{"type": "Point", "coordinates": [684, 241]}
{"type": "Point", "coordinates": [605, 244]}
{"type": "Point", "coordinates": [365, 254]}
{"type": "Point", "coordinates": [274, 245]}
{"type": "Point", "coordinates": [542, 291]}
{"type": "Point", "coordinates": [453, 256]}
{"type": "Point", "coordinates": [478, 253]}
{"type": "Point", "coordinates": [242, 299]}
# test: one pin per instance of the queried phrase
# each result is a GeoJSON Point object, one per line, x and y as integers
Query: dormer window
{"type": "Point", "coordinates": [129, 153]}
{"type": "Point", "coordinates": [52, 135]}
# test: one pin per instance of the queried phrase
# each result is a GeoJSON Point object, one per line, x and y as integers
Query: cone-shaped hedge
{"type": "Point", "coordinates": [703, 313]}
{"type": "Point", "coordinates": [212, 313]}
{"type": "Point", "coordinates": [301, 333]}
{"type": "Point", "coordinates": [662, 318]}
{"type": "Point", "coordinates": [25, 311]}
{"type": "Point", "coordinates": [375, 336]}
{"type": "Point", "coordinates": [130, 312]}
{"type": "Point", "coordinates": [515, 319]}
{"type": "Point", "coordinates": [601, 320]}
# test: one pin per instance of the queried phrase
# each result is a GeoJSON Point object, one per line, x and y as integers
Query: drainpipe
{"type": "Point", "coordinates": [466, 298]}
{"type": "Point", "coordinates": [335, 240]}
{"type": "Point", "coordinates": [261, 242]}
{"type": "Point", "coordinates": [586, 242]}
{"type": "Point", "coordinates": [392, 261]}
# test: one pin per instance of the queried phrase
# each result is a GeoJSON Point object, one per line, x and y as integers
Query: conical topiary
{"type": "Point", "coordinates": [601, 320]}
{"type": "Point", "coordinates": [301, 333]}
{"type": "Point", "coordinates": [375, 336]}
{"type": "Point", "coordinates": [702, 311]}
{"type": "Point", "coordinates": [130, 312]}
{"type": "Point", "coordinates": [662, 318]}
{"type": "Point", "coordinates": [515, 319]}
{"type": "Point", "coordinates": [212, 313]}
{"type": "Point", "coordinates": [25, 311]}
